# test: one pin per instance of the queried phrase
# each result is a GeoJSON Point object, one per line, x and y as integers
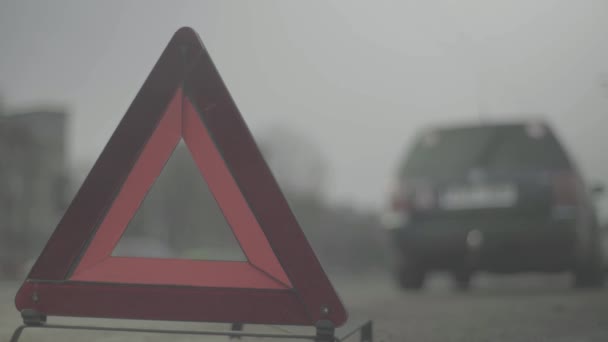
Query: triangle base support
{"type": "Point", "coordinates": [325, 330]}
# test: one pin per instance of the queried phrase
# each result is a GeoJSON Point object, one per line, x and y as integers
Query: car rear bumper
{"type": "Point", "coordinates": [534, 245]}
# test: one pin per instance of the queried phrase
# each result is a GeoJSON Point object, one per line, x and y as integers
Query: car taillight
{"type": "Point", "coordinates": [565, 189]}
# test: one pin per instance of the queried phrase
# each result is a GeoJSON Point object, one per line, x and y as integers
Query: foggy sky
{"type": "Point", "coordinates": [356, 77]}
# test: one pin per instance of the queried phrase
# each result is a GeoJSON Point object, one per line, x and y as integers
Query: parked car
{"type": "Point", "coordinates": [502, 198]}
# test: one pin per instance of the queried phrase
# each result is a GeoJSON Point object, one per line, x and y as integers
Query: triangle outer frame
{"type": "Point", "coordinates": [53, 286]}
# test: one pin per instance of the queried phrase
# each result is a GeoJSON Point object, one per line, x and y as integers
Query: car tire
{"type": "Point", "coordinates": [588, 279]}
{"type": "Point", "coordinates": [462, 280]}
{"type": "Point", "coordinates": [591, 274]}
{"type": "Point", "coordinates": [411, 275]}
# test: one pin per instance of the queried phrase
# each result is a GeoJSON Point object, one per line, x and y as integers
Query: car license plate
{"type": "Point", "coordinates": [478, 196]}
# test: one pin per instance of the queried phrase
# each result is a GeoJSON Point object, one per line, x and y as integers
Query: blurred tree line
{"type": "Point", "coordinates": [179, 216]}
{"type": "Point", "coordinates": [33, 183]}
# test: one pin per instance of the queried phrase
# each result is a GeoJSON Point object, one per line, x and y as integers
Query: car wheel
{"type": "Point", "coordinates": [411, 275]}
{"type": "Point", "coordinates": [462, 280]}
{"type": "Point", "coordinates": [590, 274]}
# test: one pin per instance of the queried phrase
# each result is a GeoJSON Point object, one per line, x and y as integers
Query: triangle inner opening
{"type": "Point", "coordinates": [179, 218]}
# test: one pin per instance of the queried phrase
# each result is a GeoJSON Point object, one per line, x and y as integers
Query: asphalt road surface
{"type": "Point", "coordinates": [529, 308]}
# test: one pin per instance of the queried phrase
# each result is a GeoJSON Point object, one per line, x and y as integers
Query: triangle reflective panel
{"type": "Point", "coordinates": [281, 282]}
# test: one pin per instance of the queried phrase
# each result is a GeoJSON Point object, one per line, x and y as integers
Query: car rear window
{"type": "Point", "coordinates": [506, 148]}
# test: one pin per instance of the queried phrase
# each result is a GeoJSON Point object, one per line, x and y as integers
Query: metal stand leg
{"type": "Point", "coordinates": [17, 333]}
{"type": "Point", "coordinates": [367, 332]}
{"type": "Point", "coordinates": [236, 327]}
{"type": "Point", "coordinates": [325, 331]}
{"type": "Point", "coordinates": [31, 318]}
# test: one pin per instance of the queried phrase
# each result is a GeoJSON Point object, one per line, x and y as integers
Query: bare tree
{"type": "Point", "coordinates": [297, 163]}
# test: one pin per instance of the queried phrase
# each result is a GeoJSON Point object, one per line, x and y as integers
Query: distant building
{"type": "Point", "coordinates": [33, 183]}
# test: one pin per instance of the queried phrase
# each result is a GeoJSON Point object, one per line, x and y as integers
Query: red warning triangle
{"type": "Point", "coordinates": [281, 282]}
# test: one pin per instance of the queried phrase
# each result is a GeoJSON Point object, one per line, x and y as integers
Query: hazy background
{"type": "Point", "coordinates": [334, 92]}
{"type": "Point", "coordinates": [357, 79]}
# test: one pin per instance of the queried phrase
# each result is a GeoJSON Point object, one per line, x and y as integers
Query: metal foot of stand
{"type": "Point", "coordinates": [31, 318]}
{"type": "Point", "coordinates": [17, 333]}
{"type": "Point", "coordinates": [326, 332]}
{"type": "Point", "coordinates": [367, 332]}
{"type": "Point", "coordinates": [236, 327]}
